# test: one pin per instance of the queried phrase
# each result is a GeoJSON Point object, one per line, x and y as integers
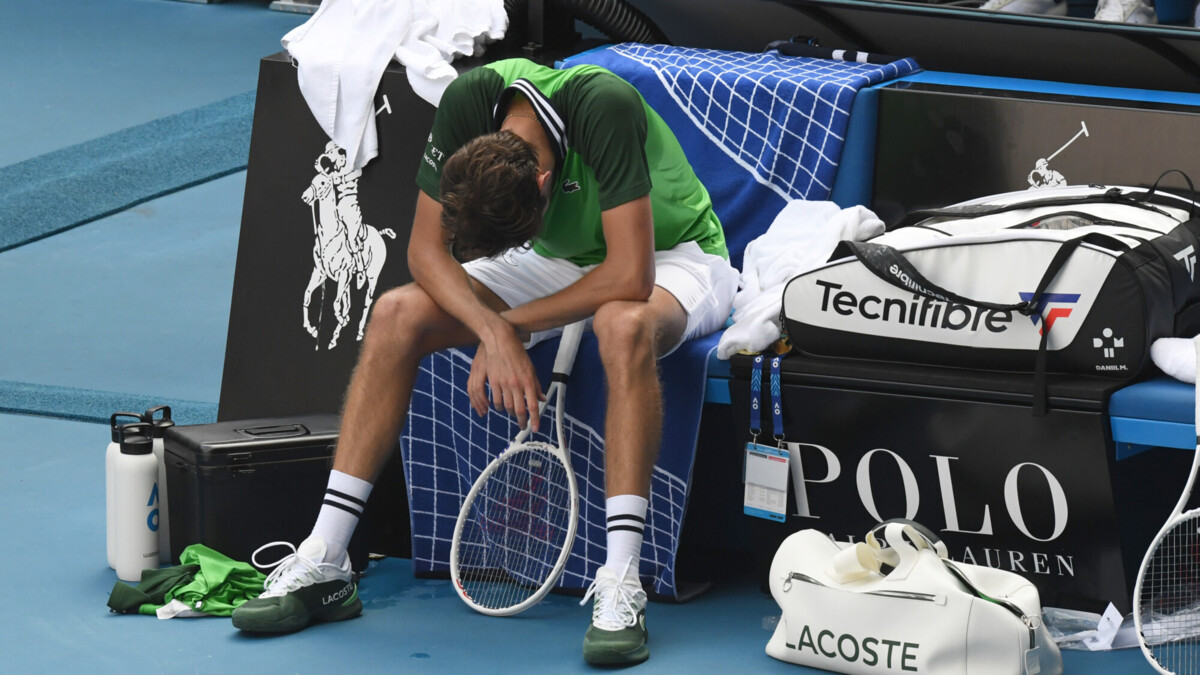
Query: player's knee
{"type": "Point", "coordinates": [625, 331]}
{"type": "Point", "coordinates": [399, 310]}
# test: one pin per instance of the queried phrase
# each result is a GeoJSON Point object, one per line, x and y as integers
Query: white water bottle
{"type": "Point", "coordinates": [135, 514]}
{"type": "Point", "coordinates": [158, 430]}
{"type": "Point", "coordinates": [110, 458]}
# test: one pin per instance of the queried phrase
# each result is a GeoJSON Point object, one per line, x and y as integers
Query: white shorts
{"type": "Point", "coordinates": [704, 284]}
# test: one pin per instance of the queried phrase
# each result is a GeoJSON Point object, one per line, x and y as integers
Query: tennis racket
{"type": "Point", "coordinates": [516, 526]}
{"type": "Point", "coordinates": [1166, 597]}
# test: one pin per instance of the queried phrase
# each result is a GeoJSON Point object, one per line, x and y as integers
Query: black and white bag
{"type": "Point", "coordinates": [1107, 269]}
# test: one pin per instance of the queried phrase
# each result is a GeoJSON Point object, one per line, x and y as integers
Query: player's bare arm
{"type": "Point", "coordinates": [511, 374]}
{"type": "Point", "coordinates": [627, 273]}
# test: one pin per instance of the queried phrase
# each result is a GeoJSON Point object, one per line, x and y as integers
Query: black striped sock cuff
{"type": "Point", "coordinates": [627, 522]}
{"type": "Point", "coordinates": [345, 502]}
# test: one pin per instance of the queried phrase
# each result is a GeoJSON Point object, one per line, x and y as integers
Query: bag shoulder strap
{"type": "Point", "coordinates": [890, 265]}
{"type": "Point", "coordinates": [905, 540]}
{"type": "Point", "coordinates": [913, 532]}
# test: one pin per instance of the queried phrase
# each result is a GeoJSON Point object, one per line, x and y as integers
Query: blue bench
{"type": "Point", "coordinates": [1159, 412]}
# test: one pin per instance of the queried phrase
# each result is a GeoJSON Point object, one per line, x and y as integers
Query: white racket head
{"type": "Point", "coordinates": [515, 530]}
{"type": "Point", "coordinates": [1166, 597]}
{"type": "Point", "coordinates": [516, 527]}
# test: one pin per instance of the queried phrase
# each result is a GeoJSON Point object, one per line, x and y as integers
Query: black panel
{"type": "Point", "coordinates": [938, 456]}
{"type": "Point", "coordinates": [938, 145]}
{"type": "Point", "coordinates": [273, 366]}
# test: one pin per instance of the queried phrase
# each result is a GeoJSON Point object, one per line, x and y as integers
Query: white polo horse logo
{"type": "Point", "coordinates": [345, 247]}
{"type": "Point", "coordinates": [1042, 175]}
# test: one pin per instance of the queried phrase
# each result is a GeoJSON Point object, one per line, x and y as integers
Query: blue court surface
{"type": "Point", "coordinates": [130, 308]}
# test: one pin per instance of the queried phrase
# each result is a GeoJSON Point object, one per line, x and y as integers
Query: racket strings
{"type": "Point", "coordinates": [516, 529]}
{"type": "Point", "coordinates": [1169, 601]}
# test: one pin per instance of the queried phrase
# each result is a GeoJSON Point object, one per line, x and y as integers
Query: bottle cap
{"type": "Point", "coordinates": [159, 426]}
{"type": "Point", "coordinates": [135, 439]}
{"type": "Point", "coordinates": [116, 430]}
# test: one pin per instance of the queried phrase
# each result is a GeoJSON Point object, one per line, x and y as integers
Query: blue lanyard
{"type": "Point", "coordinates": [776, 400]}
{"type": "Point", "coordinates": [756, 399]}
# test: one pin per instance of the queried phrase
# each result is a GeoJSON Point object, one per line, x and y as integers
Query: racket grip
{"type": "Point", "coordinates": [568, 347]}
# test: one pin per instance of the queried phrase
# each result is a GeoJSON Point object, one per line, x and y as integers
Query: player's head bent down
{"type": "Point", "coordinates": [492, 196]}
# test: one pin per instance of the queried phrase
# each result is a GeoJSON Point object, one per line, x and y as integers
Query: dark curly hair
{"type": "Point", "coordinates": [490, 197]}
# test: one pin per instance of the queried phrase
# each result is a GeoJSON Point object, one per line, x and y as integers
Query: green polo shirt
{"type": "Point", "coordinates": [610, 146]}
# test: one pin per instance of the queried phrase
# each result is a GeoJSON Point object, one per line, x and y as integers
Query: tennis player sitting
{"type": "Point", "coordinates": [547, 197]}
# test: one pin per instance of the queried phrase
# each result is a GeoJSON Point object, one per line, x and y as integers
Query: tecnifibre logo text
{"type": "Point", "coordinates": [912, 285]}
{"type": "Point", "coordinates": [918, 311]}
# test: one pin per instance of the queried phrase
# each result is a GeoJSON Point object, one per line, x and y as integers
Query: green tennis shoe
{"type": "Point", "coordinates": [301, 590]}
{"type": "Point", "coordinates": [617, 635]}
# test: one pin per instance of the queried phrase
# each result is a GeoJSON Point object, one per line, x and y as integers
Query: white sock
{"type": "Point", "coordinates": [345, 498]}
{"type": "Point", "coordinates": [626, 522]}
{"type": "Point", "coordinates": [1175, 357]}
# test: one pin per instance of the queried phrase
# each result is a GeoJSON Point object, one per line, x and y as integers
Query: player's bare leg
{"type": "Point", "coordinates": [405, 326]}
{"type": "Point", "coordinates": [631, 336]}
{"type": "Point", "coordinates": [315, 583]}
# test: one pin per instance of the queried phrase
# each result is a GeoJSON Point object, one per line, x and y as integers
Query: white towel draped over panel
{"type": "Point", "coordinates": [343, 49]}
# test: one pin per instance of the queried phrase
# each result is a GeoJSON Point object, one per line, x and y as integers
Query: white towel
{"type": "Point", "coordinates": [343, 49]}
{"type": "Point", "coordinates": [1175, 357]}
{"type": "Point", "coordinates": [800, 238]}
{"type": "Point", "coordinates": [446, 30]}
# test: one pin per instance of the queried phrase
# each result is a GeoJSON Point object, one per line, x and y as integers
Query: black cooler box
{"type": "Point", "coordinates": [235, 486]}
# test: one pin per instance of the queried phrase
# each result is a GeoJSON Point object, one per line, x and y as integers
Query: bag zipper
{"type": "Point", "coordinates": [1112, 196]}
{"type": "Point", "coordinates": [1092, 220]}
{"type": "Point", "coordinates": [1006, 604]}
{"type": "Point", "coordinates": [1032, 222]}
{"type": "Point", "coordinates": [903, 595]}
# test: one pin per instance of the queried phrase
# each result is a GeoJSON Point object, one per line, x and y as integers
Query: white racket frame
{"type": "Point", "coordinates": [1177, 514]}
{"type": "Point", "coordinates": [563, 362]}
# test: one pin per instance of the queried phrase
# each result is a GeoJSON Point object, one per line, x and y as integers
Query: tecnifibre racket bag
{"type": "Point", "coordinates": [1106, 269]}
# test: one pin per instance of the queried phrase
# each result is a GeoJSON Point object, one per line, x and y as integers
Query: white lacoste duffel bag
{"type": "Point", "coordinates": [895, 604]}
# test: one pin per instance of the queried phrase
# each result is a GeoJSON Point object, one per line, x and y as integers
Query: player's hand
{"type": "Point", "coordinates": [477, 381]}
{"type": "Point", "coordinates": [505, 367]}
